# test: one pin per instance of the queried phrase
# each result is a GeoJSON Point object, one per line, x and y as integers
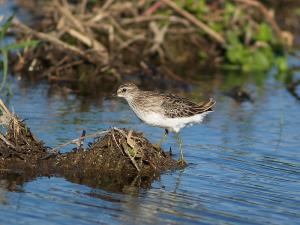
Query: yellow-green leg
{"type": "Point", "coordinates": [164, 138]}
{"type": "Point", "coordinates": [181, 160]}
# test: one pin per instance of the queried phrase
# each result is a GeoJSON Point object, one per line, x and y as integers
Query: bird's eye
{"type": "Point", "coordinates": [124, 90]}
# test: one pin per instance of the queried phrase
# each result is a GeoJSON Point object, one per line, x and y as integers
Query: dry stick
{"type": "Point", "coordinates": [74, 141]}
{"type": "Point", "coordinates": [6, 141]}
{"type": "Point", "coordinates": [60, 44]}
{"type": "Point", "coordinates": [142, 19]}
{"type": "Point", "coordinates": [122, 31]}
{"type": "Point", "coordinates": [113, 135]}
{"type": "Point", "coordinates": [51, 39]}
{"type": "Point", "coordinates": [153, 8]}
{"type": "Point", "coordinates": [106, 5]}
{"type": "Point", "coordinates": [127, 152]}
{"type": "Point", "coordinates": [264, 11]}
{"type": "Point", "coordinates": [4, 109]}
{"type": "Point", "coordinates": [132, 40]}
{"type": "Point", "coordinates": [101, 12]}
{"type": "Point", "coordinates": [65, 11]}
{"type": "Point", "coordinates": [82, 7]}
{"type": "Point", "coordinates": [90, 41]}
{"type": "Point", "coordinates": [217, 37]}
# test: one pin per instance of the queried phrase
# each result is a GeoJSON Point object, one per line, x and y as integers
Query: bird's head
{"type": "Point", "coordinates": [127, 91]}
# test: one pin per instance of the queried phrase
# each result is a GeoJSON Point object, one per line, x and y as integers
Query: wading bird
{"type": "Point", "coordinates": [165, 110]}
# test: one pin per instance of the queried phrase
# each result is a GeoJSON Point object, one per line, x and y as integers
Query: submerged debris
{"type": "Point", "coordinates": [292, 88]}
{"type": "Point", "coordinates": [239, 95]}
{"type": "Point", "coordinates": [116, 158]}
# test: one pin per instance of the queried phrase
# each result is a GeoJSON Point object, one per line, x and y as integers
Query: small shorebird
{"type": "Point", "coordinates": [165, 110]}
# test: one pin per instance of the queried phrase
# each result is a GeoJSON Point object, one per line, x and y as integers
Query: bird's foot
{"type": "Point", "coordinates": [182, 163]}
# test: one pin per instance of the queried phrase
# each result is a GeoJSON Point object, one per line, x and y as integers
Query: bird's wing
{"type": "Point", "coordinates": [175, 106]}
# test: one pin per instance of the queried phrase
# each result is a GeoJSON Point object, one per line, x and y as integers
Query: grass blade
{"type": "Point", "coordinates": [5, 68]}
{"type": "Point", "coordinates": [6, 26]}
{"type": "Point", "coordinates": [24, 44]}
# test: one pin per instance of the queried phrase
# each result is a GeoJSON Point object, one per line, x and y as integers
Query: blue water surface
{"type": "Point", "coordinates": [244, 165]}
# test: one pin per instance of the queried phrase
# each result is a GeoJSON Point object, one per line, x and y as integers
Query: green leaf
{"type": "Point", "coordinates": [264, 33]}
{"type": "Point", "coordinates": [24, 44]}
{"type": "Point", "coordinates": [235, 53]}
{"type": "Point", "coordinates": [256, 61]}
{"type": "Point", "coordinates": [6, 26]}
{"type": "Point", "coordinates": [229, 7]}
{"type": "Point", "coordinates": [233, 37]}
{"type": "Point", "coordinates": [282, 63]}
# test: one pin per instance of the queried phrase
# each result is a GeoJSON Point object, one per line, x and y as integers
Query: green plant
{"type": "Point", "coordinates": [251, 42]}
{"type": "Point", "coordinates": [5, 49]}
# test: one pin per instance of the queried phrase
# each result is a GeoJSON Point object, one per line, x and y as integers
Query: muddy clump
{"type": "Point", "coordinates": [121, 157]}
{"type": "Point", "coordinates": [18, 144]}
{"type": "Point", "coordinates": [117, 158]}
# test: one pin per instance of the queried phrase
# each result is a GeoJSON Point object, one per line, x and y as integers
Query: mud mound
{"type": "Point", "coordinates": [17, 143]}
{"type": "Point", "coordinates": [120, 151]}
{"type": "Point", "coordinates": [117, 158]}
{"type": "Point", "coordinates": [120, 158]}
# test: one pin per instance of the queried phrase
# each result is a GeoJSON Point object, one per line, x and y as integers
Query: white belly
{"type": "Point", "coordinates": [173, 124]}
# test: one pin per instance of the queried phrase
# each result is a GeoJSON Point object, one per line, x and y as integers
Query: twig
{"type": "Point", "coordinates": [82, 33]}
{"type": "Point", "coordinates": [74, 141]}
{"type": "Point", "coordinates": [217, 37]}
{"type": "Point", "coordinates": [82, 7]}
{"type": "Point", "coordinates": [126, 149]}
{"type": "Point", "coordinates": [106, 5]}
{"type": "Point", "coordinates": [49, 38]}
{"type": "Point", "coordinates": [142, 19]}
{"type": "Point", "coordinates": [65, 12]}
{"type": "Point", "coordinates": [88, 41]}
{"type": "Point", "coordinates": [60, 44]}
{"type": "Point", "coordinates": [113, 135]}
{"type": "Point", "coordinates": [153, 8]}
{"type": "Point", "coordinates": [101, 13]}
{"type": "Point", "coordinates": [265, 12]}
{"type": "Point", "coordinates": [159, 36]}
{"type": "Point", "coordinates": [120, 29]}
{"type": "Point", "coordinates": [6, 141]}
{"type": "Point", "coordinates": [4, 109]}
{"type": "Point", "coordinates": [132, 40]}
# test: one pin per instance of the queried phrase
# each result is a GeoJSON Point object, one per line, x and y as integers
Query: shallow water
{"type": "Point", "coordinates": [244, 164]}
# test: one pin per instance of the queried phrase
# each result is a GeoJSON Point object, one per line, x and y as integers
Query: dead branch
{"type": "Point", "coordinates": [114, 34]}
{"type": "Point", "coordinates": [269, 15]}
{"type": "Point", "coordinates": [49, 38]}
{"type": "Point", "coordinates": [217, 37]}
{"type": "Point", "coordinates": [75, 141]}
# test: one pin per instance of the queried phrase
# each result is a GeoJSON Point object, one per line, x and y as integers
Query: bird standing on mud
{"type": "Point", "coordinates": [165, 110]}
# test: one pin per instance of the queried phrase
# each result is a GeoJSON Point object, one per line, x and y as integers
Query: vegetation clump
{"type": "Point", "coordinates": [92, 41]}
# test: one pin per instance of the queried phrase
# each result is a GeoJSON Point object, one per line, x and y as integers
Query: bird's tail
{"type": "Point", "coordinates": [207, 106]}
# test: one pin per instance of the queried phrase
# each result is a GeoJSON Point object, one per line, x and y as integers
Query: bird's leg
{"type": "Point", "coordinates": [163, 138]}
{"type": "Point", "coordinates": [179, 142]}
